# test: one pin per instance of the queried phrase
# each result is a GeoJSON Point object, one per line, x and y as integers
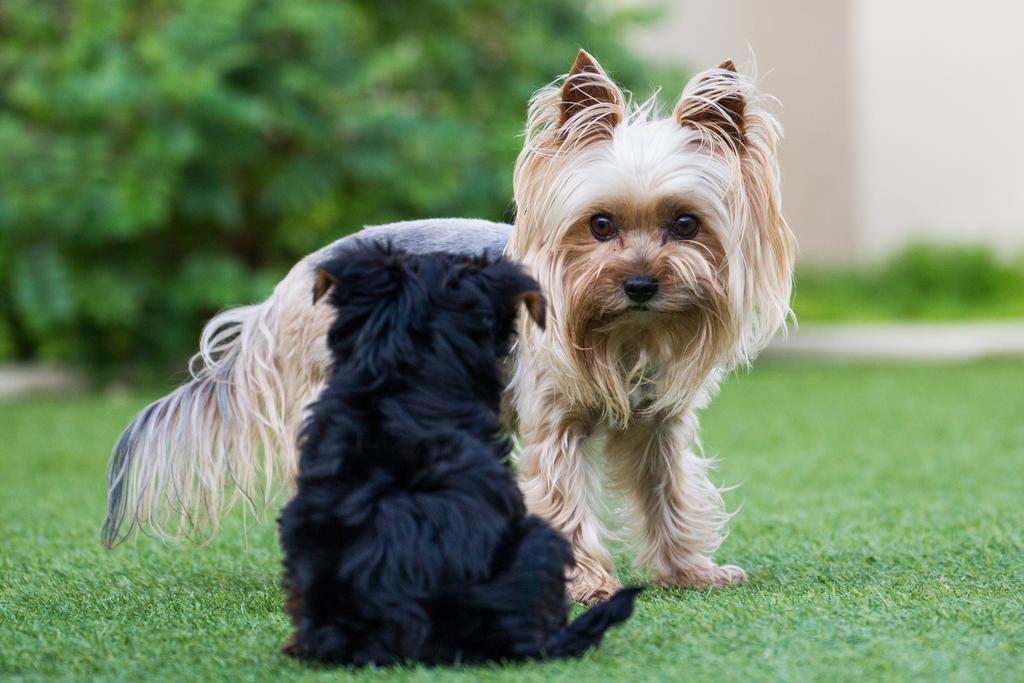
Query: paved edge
{"type": "Point", "coordinates": [21, 379]}
{"type": "Point", "coordinates": [901, 341]}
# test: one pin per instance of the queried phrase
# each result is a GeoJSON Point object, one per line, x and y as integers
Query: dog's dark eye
{"type": "Point", "coordinates": [684, 227]}
{"type": "Point", "coordinates": [602, 227]}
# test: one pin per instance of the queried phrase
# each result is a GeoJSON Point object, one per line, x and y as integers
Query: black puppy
{"type": "Point", "coordinates": [408, 538]}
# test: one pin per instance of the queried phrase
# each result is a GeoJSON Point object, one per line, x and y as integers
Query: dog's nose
{"type": "Point", "coordinates": [640, 288]}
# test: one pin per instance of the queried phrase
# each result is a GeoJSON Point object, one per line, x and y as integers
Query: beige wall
{"type": "Point", "coordinates": [940, 108]}
{"type": "Point", "coordinates": [904, 119]}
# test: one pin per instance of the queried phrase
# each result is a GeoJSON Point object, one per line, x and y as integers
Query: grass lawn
{"type": "Point", "coordinates": [881, 526]}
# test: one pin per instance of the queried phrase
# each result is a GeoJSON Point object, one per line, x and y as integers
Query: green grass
{"type": "Point", "coordinates": [920, 282]}
{"type": "Point", "coordinates": [881, 526]}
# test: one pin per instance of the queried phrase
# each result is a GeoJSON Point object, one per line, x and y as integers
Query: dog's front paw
{"type": "Point", "coordinates": [290, 647]}
{"type": "Point", "coordinates": [710, 576]}
{"type": "Point", "coordinates": [590, 587]}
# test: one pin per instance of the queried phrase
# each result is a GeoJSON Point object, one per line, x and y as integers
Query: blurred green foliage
{"type": "Point", "coordinates": [160, 159]}
{"type": "Point", "coordinates": [921, 282]}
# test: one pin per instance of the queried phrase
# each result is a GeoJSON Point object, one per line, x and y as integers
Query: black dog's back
{"type": "Point", "coordinates": [408, 538]}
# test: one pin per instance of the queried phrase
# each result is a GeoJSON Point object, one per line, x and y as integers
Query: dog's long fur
{"type": "Point", "coordinates": [408, 539]}
{"type": "Point", "coordinates": [169, 469]}
{"type": "Point", "coordinates": [638, 377]}
{"type": "Point", "coordinates": [603, 373]}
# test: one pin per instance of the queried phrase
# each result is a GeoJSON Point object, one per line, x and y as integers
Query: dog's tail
{"type": "Point", "coordinates": [539, 554]}
{"type": "Point", "coordinates": [231, 427]}
{"type": "Point", "coordinates": [588, 629]}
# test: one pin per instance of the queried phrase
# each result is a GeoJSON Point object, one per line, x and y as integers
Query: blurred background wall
{"type": "Point", "coordinates": [903, 119]}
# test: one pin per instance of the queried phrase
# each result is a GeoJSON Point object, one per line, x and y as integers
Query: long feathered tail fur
{"type": "Point", "coordinates": [229, 432]}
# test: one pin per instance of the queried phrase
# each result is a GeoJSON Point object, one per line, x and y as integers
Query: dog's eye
{"type": "Point", "coordinates": [602, 227]}
{"type": "Point", "coordinates": [684, 227]}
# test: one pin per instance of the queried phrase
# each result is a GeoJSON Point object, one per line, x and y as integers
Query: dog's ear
{"type": "Point", "coordinates": [591, 104]}
{"type": "Point", "coordinates": [322, 282]}
{"type": "Point", "coordinates": [372, 320]}
{"type": "Point", "coordinates": [365, 269]}
{"type": "Point", "coordinates": [536, 305]}
{"type": "Point", "coordinates": [723, 105]}
{"type": "Point", "coordinates": [518, 288]}
{"type": "Point", "coordinates": [715, 102]}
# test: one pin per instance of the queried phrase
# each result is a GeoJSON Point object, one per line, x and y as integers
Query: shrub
{"type": "Point", "coordinates": [921, 282]}
{"type": "Point", "coordinates": [164, 158]}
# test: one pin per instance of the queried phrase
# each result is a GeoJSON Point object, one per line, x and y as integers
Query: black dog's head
{"type": "Point", "coordinates": [404, 313]}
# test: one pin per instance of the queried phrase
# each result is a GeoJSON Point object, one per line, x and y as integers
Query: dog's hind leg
{"type": "Point", "coordinates": [681, 510]}
{"type": "Point", "coordinates": [293, 607]}
{"type": "Point", "coordinates": [526, 601]}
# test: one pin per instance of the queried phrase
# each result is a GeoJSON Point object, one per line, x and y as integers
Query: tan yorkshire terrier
{"type": "Point", "coordinates": [665, 259]}
{"type": "Point", "coordinates": [666, 262]}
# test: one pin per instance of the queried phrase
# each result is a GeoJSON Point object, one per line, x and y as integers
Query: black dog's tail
{"type": "Point", "coordinates": [588, 629]}
{"type": "Point", "coordinates": [526, 599]}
